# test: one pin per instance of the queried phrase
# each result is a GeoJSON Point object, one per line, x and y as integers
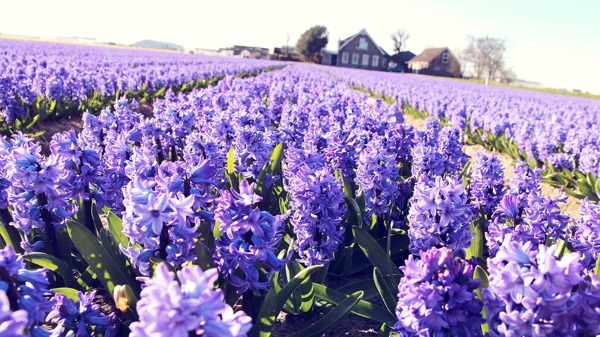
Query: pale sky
{"type": "Point", "coordinates": [553, 42]}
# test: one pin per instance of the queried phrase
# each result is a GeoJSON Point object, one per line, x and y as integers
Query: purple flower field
{"type": "Point", "coordinates": [264, 194]}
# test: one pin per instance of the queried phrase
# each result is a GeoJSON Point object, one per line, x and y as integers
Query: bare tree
{"type": "Point", "coordinates": [486, 56]}
{"type": "Point", "coordinates": [400, 37]}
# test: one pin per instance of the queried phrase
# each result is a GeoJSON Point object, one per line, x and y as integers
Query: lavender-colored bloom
{"type": "Point", "coordinates": [400, 140]}
{"type": "Point", "coordinates": [318, 208]}
{"type": "Point", "coordinates": [376, 177]}
{"type": "Point", "coordinates": [525, 181]}
{"type": "Point", "coordinates": [165, 205]}
{"type": "Point", "coordinates": [543, 218]}
{"type": "Point", "coordinates": [249, 239]}
{"type": "Point", "coordinates": [529, 290]}
{"type": "Point", "coordinates": [79, 317]}
{"type": "Point", "coordinates": [561, 161]}
{"type": "Point", "coordinates": [427, 160]}
{"type": "Point", "coordinates": [437, 296]}
{"type": "Point", "coordinates": [583, 316]}
{"type": "Point", "coordinates": [27, 288]}
{"type": "Point", "coordinates": [487, 182]}
{"type": "Point", "coordinates": [439, 215]}
{"type": "Point", "coordinates": [41, 191]}
{"type": "Point", "coordinates": [192, 306]}
{"type": "Point", "coordinates": [252, 150]}
{"type": "Point", "coordinates": [585, 236]}
{"type": "Point", "coordinates": [12, 324]}
{"type": "Point", "coordinates": [532, 219]}
{"type": "Point", "coordinates": [450, 147]}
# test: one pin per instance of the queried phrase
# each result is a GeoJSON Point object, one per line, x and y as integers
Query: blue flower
{"type": "Point", "coordinates": [27, 288]}
{"type": "Point", "coordinates": [83, 317]}
{"type": "Point", "coordinates": [169, 308]}
{"type": "Point", "coordinates": [439, 215]}
{"type": "Point", "coordinates": [487, 182]}
{"type": "Point", "coordinates": [530, 289]}
{"type": "Point", "coordinates": [12, 324]}
{"type": "Point", "coordinates": [376, 177]}
{"type": "Point", "coordinates": [249, 239]}
{"type": "Point", "coordinates": [318, 208]}
{"type": "Point", "coordinates": [437, 296]}
{"type": "Point", "coordinates": [585, 236]}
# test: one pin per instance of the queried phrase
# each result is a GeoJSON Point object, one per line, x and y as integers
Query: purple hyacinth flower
{"type": "Point", "coordinates": [487, 182]}
{"type": "Point", "coordinates": [585, 236]}
{"type": "Point", "coordinates": [437, 296]}
{"type": "Point", "coordinates": [439, 215]}
{"type": "Point", "coordinates": [529, 289]}
{"type": "Point", "coordinates": [190, 306]}
{"type": "Point", "coordinates": [249, 239]}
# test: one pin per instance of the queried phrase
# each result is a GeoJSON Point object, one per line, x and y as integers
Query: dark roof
{"type": "Point", "coordinates": [428, 55]}
{"type": "Point", "coordinates": [402, 57]}
{"type": "Point", "coordinates": [343, 43]}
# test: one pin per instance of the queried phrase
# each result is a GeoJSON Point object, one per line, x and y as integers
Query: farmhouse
{"type": "Point", "coordinates": [399, 61]}
{"type": "Point", "coordinates": [245, 52]}
{"type": "Point", "coordinates": [435, 62]}
{"type": "Point", "coordinates": [360, 51]}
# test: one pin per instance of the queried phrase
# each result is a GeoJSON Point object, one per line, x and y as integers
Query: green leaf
{"type": "Point", "coordinates": [561, 246]}
{"type": "Point", "coordinates": [204, 257]}
{"type": "Point", "coordinates": [332, 318]}
{"type": "Point", "coordinates": [586, 189]}
{"type": "Point", "coordinates": [465, 171]}
{"type": "Point", "coordinates": [68, 292]}
{"type": "Point", "coordinates": [274, 166]}
{"type": "Point", "coordinates": [36, 134]}
{"type": "Point", "coordinates": [363, 308]}
{"type": "Point", "coordinates": [274, 301]}
{"type": "Point", "coordinates": [378, 257]}
{"type": "Point", "coordinates": [480, 274]}
{"type": "Point", "coordinates": [305, 292]}
{"type": "Point", "coordinates": [96, 218]}
{"type": "Point", "coordinates": [597, 186]}
{"type": "Point", "coordinates": [348, 192]}
{"type": "Point", "coordinates": [115, 226]}
{"type": "Point", "coordinates": [234, 180]}
{"type": "Point", "coordinates": [34, 121]}
{"type": "Point", "coordinates": [476, 248]}
{"type": "Point", "coordinates": [390, 298]}
{"type": "Point", "coordinates": [64, 248]}
{"type": "Point", "coordinates": [112, 248]}
{"type": "Point", "coordinates": [98, 259]}
{"type": "Point", "coordinates": [598, 266]}
{"type": "Point", "coordinates": [11, 236]}
{"type": "Point", "coordinates": [276, 157]}
{"type": "Point", "coordinates": [573, 194]}
{"type": "Point", "coordinates": [367, 286]}
{"type": "Point", "coordinates": [355, 215]}
{"type": "Point", "coordinates": [54, 264]}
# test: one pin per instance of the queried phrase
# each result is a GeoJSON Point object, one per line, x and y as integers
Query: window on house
{"type": "Point", "coordinates": [354, 58]}
{"type": "Point", "coordinates": [445, 58]}
{"type": "Point", "coordinates": [362, 43]}
{"type": "Point", "coordinates": [365, 60]}
{"type": "Point", "coordinates": [375, 61]}
{"type": "Point", "coordinates": [345, 57]}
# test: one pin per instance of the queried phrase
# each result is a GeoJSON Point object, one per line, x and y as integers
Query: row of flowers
{"type": "Point", "coordinates": [47, 79]}
{"type": "Point", "coordinates": [554, 131]}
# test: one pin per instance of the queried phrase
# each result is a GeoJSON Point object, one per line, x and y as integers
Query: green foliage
{"type": "Point", "coordinates": [332, 318]}
{"type": "Point", "coordinates": [276, 299]}
{"type": "Point", "coordinates": [312, 42]}
{"type": "Point", "coordinates": [101, 260]}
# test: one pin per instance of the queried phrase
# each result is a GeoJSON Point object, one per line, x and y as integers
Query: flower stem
{"type": "Point", "coordinates": [49, 227]}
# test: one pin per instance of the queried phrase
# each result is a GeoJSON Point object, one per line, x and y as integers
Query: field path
{"type": "Point", "coordinates": [571, 207]}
